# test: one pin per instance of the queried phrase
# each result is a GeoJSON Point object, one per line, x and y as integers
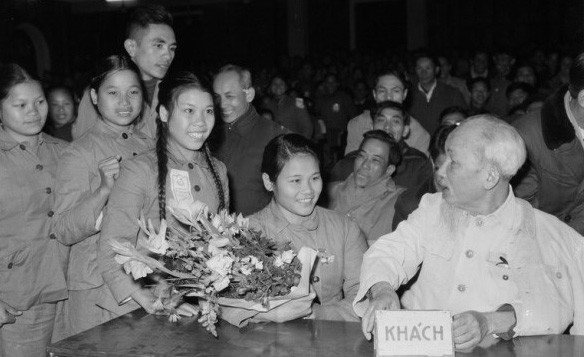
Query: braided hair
{"type": "Point", "coordinates": [168, 92]}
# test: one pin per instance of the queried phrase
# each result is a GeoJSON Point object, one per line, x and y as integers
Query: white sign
{"type": "Point", "coordinates": [418, 333]}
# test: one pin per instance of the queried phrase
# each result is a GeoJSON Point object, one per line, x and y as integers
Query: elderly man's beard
{"type": "Point", "coordinates": [451, 217]}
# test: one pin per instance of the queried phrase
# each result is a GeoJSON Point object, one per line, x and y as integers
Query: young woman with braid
{"type": "Point", "coordinates": [180, 168]}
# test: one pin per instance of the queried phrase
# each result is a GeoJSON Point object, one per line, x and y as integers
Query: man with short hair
{"type": "Point", "coordinates": [151, 44]}
{"type": "Point", "coordinates": [500, 266]}
{"type": "Point", "coordinates": [241, 139]}
{"type": "Point", "coordinates": [368, 195]}
{"type": "Point", "coordinates": [554, 137]}
{"type": "Point", "coordinates": [430, 97]}
{"type": "Point", "coordinates": [390, 85]}
{"type": "Point", "coordinates": [414, 167]}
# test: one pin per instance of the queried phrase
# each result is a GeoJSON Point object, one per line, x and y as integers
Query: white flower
{"type": "Point", "coordinates": [217, 223]}
{"type": "Point", "coordinates": [278, 262]}
{"type": "Point", "coordinates": [246, 269]}
{"type": "Point", "coordinates": [242, 222]}
{"type": "Point", "coordinates": [221, 283]}
{"type": "Point", "coordinates": [187, 211]}
{"type": "Point", "coordinates": [221, 264]}
{"type": "Point", "coordinates": [288, 256]}
{"type": "Point", "coordinates": [156, 242]}
{"type": "Point", "coordinates": [134, 267]}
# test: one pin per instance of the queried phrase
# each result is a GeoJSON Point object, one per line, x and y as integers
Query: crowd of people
{"type": "Point", "coordinates": [436, 184]}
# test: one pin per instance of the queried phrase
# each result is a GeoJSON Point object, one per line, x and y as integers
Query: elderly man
{"type": "Point", "coordinates": [499, 265]}
{"type": "Point", "coordinates": [368, 195]}
{"type": "Point", "coordinates": [151, 44]}
{"type": "Point", "coordinates": [241, 140]}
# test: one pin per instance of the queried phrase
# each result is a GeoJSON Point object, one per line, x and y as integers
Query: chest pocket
{"type": "Point", "coordinates": [438, 267]}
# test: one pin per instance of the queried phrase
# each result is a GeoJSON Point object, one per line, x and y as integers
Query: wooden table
{"type": "Point", "coordinates": [139, 334]}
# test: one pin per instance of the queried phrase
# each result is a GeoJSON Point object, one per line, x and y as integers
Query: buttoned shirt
{"type": "Point", "coordinates": [32, 261]}
{"type": "Point", "coordinates": [371, 207]}
{"type": "Point", "coordinates": [516, 255]}
{"type": "Point", "coordinates": [336, 282]}
{"type": "Point", "coordinates": [78, 178]}
{"type": "Point", "coordinates": [240, 145]}
{"type": "Point", "coordinates": [136, 192]}
{"type": "Point", "coordinates": [418, 137]}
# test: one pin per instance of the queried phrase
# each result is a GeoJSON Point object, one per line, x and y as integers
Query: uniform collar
{"type": "Point", "coordinates": [309, 223]}
{"type": "Point", "coordinates": [504, 216]}
{"type": "Point", "coordinates": [244, 124]}
{"type": "Point", "coordinates": [102, 128]}
{"type": "Point", "coordinates": [7, 142]}
{"type": "Point", "coordinates": [177, 157]}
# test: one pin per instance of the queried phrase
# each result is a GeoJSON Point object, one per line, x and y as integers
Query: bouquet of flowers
{"type": "Point", "coordinates": [218, 259]}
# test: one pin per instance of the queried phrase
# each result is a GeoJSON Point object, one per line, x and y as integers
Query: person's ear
{"type": "Point", "coordinates": [390, 170]}
{"type": "Point", "coordinates": [131, 46]}
{"type": "Point", "coordinates": [163, 114]}
{"type": "Point", "coordinates": [93, 96]}
{"type": "Point", "coordinates": [406, 131]}
{"type": "Point", "coordinates": [493, 177]}
{"type": "Point", "coordinates": [267, 183]}
{"type": "Point", "coordinates": [249, 94]}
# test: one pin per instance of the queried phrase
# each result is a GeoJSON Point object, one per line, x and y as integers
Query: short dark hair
{"type": "Point", "coordinates": [388, 104]}
{"type": "Point", "coordinates": [451, 110]}
{"type": "Point", "coordinates": [147, 15]}
{"type": "Point", "coordinates": [438, 140]}
{"type": "Point", "coordinates": [473, 81]}
{"type": "Point", "coordinates": [392, 72]}
{"type": "Point", "coordinates": [281, 149]}
{"type": "Point", "coordinates": [395, 155]}
{"type": "Point", "coordinates": [429, 56]}
{"type": "Point", "coordinates": [11, 75]}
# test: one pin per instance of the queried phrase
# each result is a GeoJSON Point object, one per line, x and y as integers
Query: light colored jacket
{"type": "Point", "coordinates": [76, 212]}
{"type": "Point", "coordinates": [517, 255]}
{"type": "Point", "coordinates": [32, 261]}
{"type": "Point", "coordinates": [372, 207]}
{"type": "Point", "coordinates": [335, 283]}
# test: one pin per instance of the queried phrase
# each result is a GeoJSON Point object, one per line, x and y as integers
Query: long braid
{"type": "Point", "coordinates": [162, 158]}
{"type": "Point", "coordinates": [218, 184]}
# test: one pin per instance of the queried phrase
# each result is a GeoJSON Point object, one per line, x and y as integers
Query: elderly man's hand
{"type": "Point", "coordinates": [469, 327]}
{"type": "Point", "coordinates": [382, 297]}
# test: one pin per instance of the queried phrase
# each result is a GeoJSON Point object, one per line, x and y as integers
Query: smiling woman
{"type": "Point", "coordinates": [32, 278]}
{"type": "Point", "coordinates": [290, 170]}
{"type": "Point", "coordinates": [180, 169]}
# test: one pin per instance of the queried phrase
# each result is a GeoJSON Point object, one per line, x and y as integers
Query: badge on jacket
{"type": "Point", "coordinates": [300, 103]}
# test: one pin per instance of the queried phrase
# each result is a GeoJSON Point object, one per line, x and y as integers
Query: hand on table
{"type": "Point", "coordinates": [469, 329]}
{"type": "Point", "coordinates": [383, 297]}
{"type": "Point", "coordinates": [8, 314]}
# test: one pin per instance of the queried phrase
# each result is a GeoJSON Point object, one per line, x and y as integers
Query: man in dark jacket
{"type": "Point", "coordinates": [554, 136]}
{"type": "Point", "coordinates": [240, 141]}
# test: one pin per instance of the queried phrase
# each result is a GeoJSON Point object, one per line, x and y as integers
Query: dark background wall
{"type": "Point", "coordinates": [254, 32]}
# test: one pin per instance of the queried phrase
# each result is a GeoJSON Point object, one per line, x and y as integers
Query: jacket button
{"type": "Point", "coordinates": [124, 135]}
{"type": "Point", "coordinates": [568, 218]}
{"type": "Point", "coordinates": [505, 277]}
{"type": "Point", "coordinates": [134, 154]}
{"type": "Point", "coordinates": [315, 279]}
{"type": "Point", "coordinates": [39, 167]}
{"type": "Point", "coordinates": [22, 147]}
{"type": "Point", "coordinates": [469, 253]}
{"type": "Point", "coordinates": [48, 190]}
{"type": "Point", "coordinates": [191, 166]}
{"type": "Point", "coordinates": [461, 288]}
{"type": "Point", "coordinates": [197, 188]}
{"type": "Point", "coordinates": [9, 265]}
{"type": "Point", "coordinates": [50, 214]}
{"type": "Point", "coordinates": [53, 236]}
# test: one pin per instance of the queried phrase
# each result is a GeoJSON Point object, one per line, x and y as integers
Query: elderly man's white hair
{"type": "Point", "coordinates": [499, 143]}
